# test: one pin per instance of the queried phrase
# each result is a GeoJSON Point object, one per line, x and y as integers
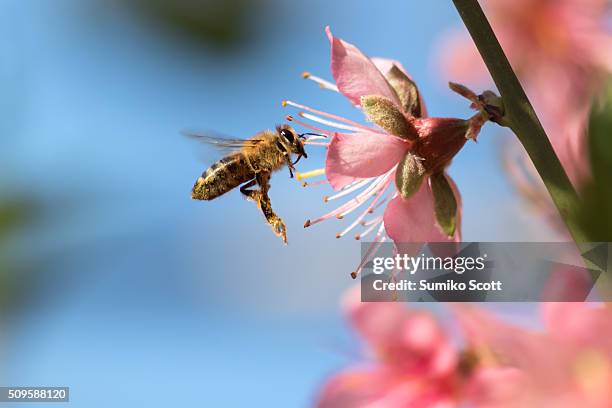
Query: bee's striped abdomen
{"type": "Point", "coordinates": [222, 176]}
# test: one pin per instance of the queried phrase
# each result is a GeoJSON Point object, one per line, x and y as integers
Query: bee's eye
{"type": "Point", "coordinates": [288, 135]}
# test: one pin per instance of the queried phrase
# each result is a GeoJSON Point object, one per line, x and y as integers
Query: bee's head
{"type": "Point", "coordinates": [292, 141]}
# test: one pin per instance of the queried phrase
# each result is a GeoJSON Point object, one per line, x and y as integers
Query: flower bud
{"type": "Point", "coordinates": [384, 113]}
{"type": "Point", "coordinates": [445, 203]}
{"type": "Point", "coordinates": [409, 175]}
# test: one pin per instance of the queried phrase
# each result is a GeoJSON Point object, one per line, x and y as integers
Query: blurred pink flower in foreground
{"type": "Point", "coordinates": [561, 51]}
{"type": "Point", "coordinates": [402, 161]}
{"type": "Point", "coordinates": [568, 365]}
{"type": "Point", "coordinates": [413, 364]}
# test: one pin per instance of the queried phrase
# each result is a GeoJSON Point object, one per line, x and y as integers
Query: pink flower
{"type": "Point", "coordinates": [413, 364]}
{"type": "Point", "coordinates": [567, 365]}
{"type": "Point", "coordinates": [402, 161]}
{"type": "Point", "coordinates": [411, 361]}
{"type": "Point", "coordinates": [562, 52]}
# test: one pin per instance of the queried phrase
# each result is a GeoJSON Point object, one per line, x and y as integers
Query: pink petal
{"type": "Point", "coordinates": [378, 323]}
{"type": "Point", "coordinates": [411, 341]}
{"type": "Point", "coordinates": [383, 388]}
{"type": "Point", "coordinates": [361, 155]}
{"type": "Point", "coordinates": [511, 345]}
{"type": "Point", "coordinates": [384, 65]}
{"type": "Point", "coordinates": [579, 324]}
{"type": "Point", "coordinates": [355, 388]}
{"type": "Point", "coordinates": [497, 388]}
{"type": "Point", "coordinates": [413, 220]}
{"type": "Point", "coordinates": [355, 74]}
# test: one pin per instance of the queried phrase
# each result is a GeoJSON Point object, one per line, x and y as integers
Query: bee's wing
{"type": "Point", "coordinates": [222, 142]}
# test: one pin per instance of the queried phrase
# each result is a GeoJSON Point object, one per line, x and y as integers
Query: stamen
{"type": "Point", "coordinates": [377, 206]}
{"type": "Point", "coordinates": [378, 240]}
{"type": "Point", "coordinates": [309, 126]}
{"type": "Point", "coordinates": [322, 82]}
{"type": "Point", "coordinates": [377, 220]}
{"type": "Point", "coordinates": [372, 221]}
{"type": "Point", "coordinates": [354, 186]}
{"type": "Point", "coordinates": [316, 138]}
{"type": "Point", "coordinates": [315, 183]}
{"type": "Point", "coordinates": [335, 213]}
{"type": "Point", "coordinates": [316, 144]}
{"type": "Point", "coordinates": [313, 173]}
{"type": "Point", "coordinates": [326, 122]}
{"type": "Point", "coordinates": [379, 194]}
{"type": "Point", "coordinates": [330, 116]}
{"type": "Point", "coordinates": [358, 201]}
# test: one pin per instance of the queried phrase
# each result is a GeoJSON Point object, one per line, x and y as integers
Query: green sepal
{"type": "Point", "coordinates": [383, 112]}
{"type": "Point", "coordinates": [409, 175]}
{"type": "Point", "coordinates": [406, 90]}
{"type": "Point", "coordinates": [445, 203]}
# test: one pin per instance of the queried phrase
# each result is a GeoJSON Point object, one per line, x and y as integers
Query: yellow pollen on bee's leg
{"type": "Point", "coordinates": [314, 173]}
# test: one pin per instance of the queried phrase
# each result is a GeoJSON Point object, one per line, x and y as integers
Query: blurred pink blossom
{"type": "Point", "coordinates": [365, 159]}
{"type": "Point", "coordinates": [412, 364]}
{"type": "Point", "coordinates": [569, 364]}
{"type": "Point", "coordinates": [411, 361]}
{"type": "Point", "coordinates": [561, 51]}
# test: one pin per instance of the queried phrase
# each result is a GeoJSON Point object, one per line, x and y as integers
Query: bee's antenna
{"type": "Point", "coordinates": [311, 134]}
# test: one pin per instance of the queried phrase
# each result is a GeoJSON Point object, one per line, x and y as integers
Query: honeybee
{"type": "Point", "coordinates": [251, 162]}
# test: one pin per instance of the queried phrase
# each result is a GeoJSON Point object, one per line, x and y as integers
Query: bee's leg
{"type": "Point", "coordinates": [254, 195]}
{"type": "Point", "coordinates": [277, 224]}
{"type": "Point", "coordinates": [290, 164]}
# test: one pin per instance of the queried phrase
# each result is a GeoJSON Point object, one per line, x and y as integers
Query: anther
{"type": "Point", "coordinates": [307, 224]}
{"type": "Point", "coordinates": [305, 74]}
{"type": "Point", "coordinates": [354, 275]}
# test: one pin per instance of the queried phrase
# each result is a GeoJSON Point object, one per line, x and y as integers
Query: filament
{"type": "Point", "coordinates": [322, 82]}
{"type": "Point", "coordinates": [376, 220]}
{"type": "Point", "coordinates": [353, 187]}
{"type": "Point", "coordinates": [322, 121]}
{"type": "Point", "coordinates": [290, 118]}
{"type": "Point", "coordinates": [315, 183]}
{"type": "Point", "coordinates": [379, 194]}
{"type": "Point", "coordinates": [330, 116]}
{"type": "Point", "coordinates": [316, 144]}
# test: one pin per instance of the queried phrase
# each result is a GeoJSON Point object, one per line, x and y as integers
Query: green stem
{"type": "Point", "coordinates": [521, 117]}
